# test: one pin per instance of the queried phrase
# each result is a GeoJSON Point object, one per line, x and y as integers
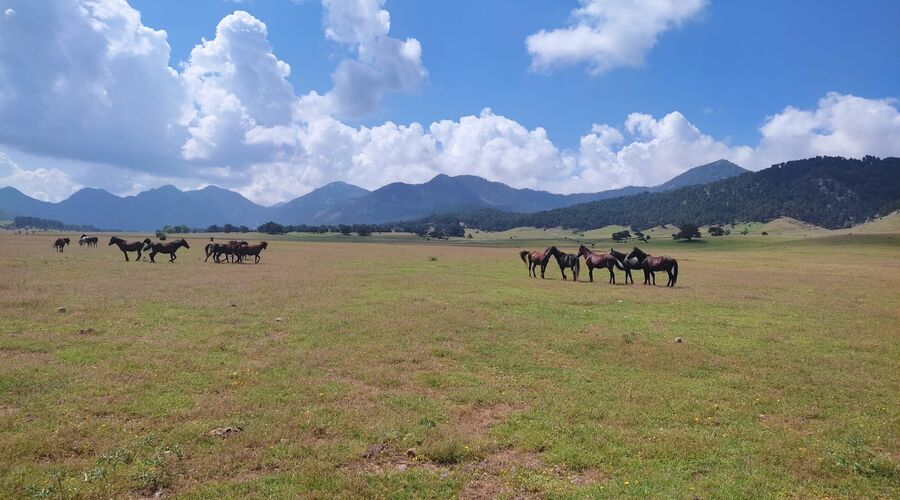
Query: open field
{"type": "Point", "coordinates": [335, 359]}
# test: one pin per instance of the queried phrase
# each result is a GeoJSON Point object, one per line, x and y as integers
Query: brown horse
{"type": "Point", "coordinates": [628, 264]}
{"type": "Point", "coordinates": [534, 259]}
{"type": "Point", "coordinates": [167, 248]}
{"type": "Point", "coordinates": [217, 250]}
{"type": "Point", "coordinates": [241, 251]}
{"type": "Point", "coordinates": [599, 260]}
{"type": "Point", "coordinates": [129, 246]}
{"type": "Point", "coordinates": [650, 263]}
{"type": "Point", "coordinates": [60, 244]}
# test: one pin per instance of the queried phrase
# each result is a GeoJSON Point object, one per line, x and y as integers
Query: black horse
{"type": "Point", "coordinates": [129, 246]}
{"type": "Point", "coordinates": [627, 264]}
{"type": "Point", "coordinates": [167, 248]}
{"type": "Point", "coordinates": [650, 263]}
{"type": "Point", "coordinates": [566, 260]}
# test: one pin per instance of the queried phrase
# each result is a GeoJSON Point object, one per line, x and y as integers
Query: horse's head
{"type": "Point", "coordinates": [583, 250]}
{"type": "Point", "coordinates": [184, 243]}
{"type": "Point", "coordinates": [263, 244]}
{"type": "Point", "coordinates": [112, 240]}
{"type": "Point", "coordinates": [66, 240]}
{"type": "Point", "coordinates": [636, 253]}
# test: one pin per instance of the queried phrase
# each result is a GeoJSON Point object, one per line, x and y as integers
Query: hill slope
{"type": "Point", "coordinates": [399, 200]}
{"type": "Point", "coordinates": [826, 191]}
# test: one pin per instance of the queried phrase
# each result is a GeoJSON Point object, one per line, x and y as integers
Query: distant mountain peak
{"type": "Point", "coordinates": [704, 174]}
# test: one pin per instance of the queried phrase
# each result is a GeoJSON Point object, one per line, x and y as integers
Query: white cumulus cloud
{"type": "Point", "coordinates": [608, 34]}
{"type": "Point", "coordinates": [45, 184]}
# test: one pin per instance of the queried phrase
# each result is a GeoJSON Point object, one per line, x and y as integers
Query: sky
{"type": "Point", "coordinates": [276, 98]}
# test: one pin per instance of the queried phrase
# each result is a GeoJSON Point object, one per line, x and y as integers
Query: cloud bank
{"type": "Point", "coordinates": [99, 87]}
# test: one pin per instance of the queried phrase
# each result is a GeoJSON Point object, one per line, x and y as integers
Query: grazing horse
{"type": "Point", "coordinates": [566, 260]}
{"type": "Point", "coordinates": [129, 246]}
{"type": "Point", "coordinates": [534, 259]}
{"type": "Point", "coordinates": [650, 263]}
{"type": "Point", "coordinates": [240, 251]}
{"type": "Point", "coordinates": [90, 241]}
{"type": "Point", "coordinates": [599, 260]}
{"type": "Point", "coordinates": [60, 244]}
{"type": "Point", "coordinates": [627, 264]}
{"type": "Point", "coordinates": [167, 248]}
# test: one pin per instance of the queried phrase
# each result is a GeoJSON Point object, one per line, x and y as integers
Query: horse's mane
{"type": "Point", "coordinates": [637, 252]}
{"type": "Point", "coordinates": [620, 256]}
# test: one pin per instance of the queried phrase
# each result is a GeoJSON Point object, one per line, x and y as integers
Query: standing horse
{"type": "Point", "coordinates": [599, 260]}
{"type": "Point", "coordinates": [129, 246]}
{"type": "Point", "coordinates": [650, 263]}
{"type": "Point", "coordinates": [60, 244]}
{"type": "Point", "coordinates": [167, 248]}
{"type": "Point", "coordinates": [627, 264]}
{"type": "Point", "coordinates": [90, 241]}
{"type": "Point", "coordinates": [241, 251]}
{"type": "Point", "coordinates": [566, 260]}
{"type": "Point", "coordinates": [534, 259]}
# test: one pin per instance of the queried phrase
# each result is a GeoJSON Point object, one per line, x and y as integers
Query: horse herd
{"type": "Point", "coordinates": [634, 260]}
{"type": "Point", "coordinates": [234, 251]}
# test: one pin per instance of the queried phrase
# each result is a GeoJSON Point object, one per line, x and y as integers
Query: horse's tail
{"type": "Point", "coordinates": [674, 271]}
{"type": "Point", "coordinates": [522, 254]}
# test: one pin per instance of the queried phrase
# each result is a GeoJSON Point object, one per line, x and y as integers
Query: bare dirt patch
{"type": "Point", "coordinates": [478, 420]}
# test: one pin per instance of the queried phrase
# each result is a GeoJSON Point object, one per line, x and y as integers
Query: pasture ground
{"type": "Point", "coordinates": [335, 359]}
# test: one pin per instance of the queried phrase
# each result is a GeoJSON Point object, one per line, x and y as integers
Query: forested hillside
{"type": "Point", "coordinates": [831, 192]}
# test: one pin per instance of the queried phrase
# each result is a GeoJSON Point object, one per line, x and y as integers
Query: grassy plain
{"type": "Point", "coordinates": [335, 359]}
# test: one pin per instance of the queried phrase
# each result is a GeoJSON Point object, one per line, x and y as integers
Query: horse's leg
{"type": "Point", "coordinates": [612, 275]}
{"type": "Point", "coordinates": [591, 273]}
{"type": "Point", "coordinates": [153, 254]}
{"type": "Point", "coordinates": [653, 277]}
{"type": "Point", "coordinates": [256, 259]}
{"type": "Point", "coordinates": [172, 258]}
{"type": "Point", "coordinates": [543, 268]}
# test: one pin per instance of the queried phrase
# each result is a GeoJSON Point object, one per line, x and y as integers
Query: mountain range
{"type": "Point", "coordinates": [831, 192]}
{"type": "Point", "coordinates": [335, 203]}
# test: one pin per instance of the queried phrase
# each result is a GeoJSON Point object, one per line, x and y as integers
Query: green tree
{"type": "Point", "coordinates": [687, 232]}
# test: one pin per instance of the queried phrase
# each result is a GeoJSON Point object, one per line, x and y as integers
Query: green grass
{"type": "Point", "coordinates": [785, 384]}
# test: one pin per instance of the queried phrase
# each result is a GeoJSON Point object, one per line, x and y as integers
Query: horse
{"type": "Point", "coordinates": [650, 264]}
{"type": "Point", "coordinates": [240, 251]}
{"type": "Point", "coordinates": [167, 248]}
{"type": "Point", "coordinates": [627, 264]}
{"type": "Point", "coordinates": [566, 260]}
{"type": "Point", "coordinates": [129, 246]}
{"type": "Point", "coordinates": [599, 260]}
{"type": "Point", "coordinates": [60, 244]}
{"type": "Point", "coordinates": [90, 241]}
{"type": "Point", "coordinates": [534, 259]}
{"type": "Point", "coordinates": [216, 250]}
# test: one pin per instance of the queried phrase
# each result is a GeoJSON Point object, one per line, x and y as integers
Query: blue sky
{"type": "Point", "coordinates": [618, 91]}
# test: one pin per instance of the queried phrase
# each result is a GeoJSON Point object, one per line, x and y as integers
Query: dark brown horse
{"type": "Point", "coordinates": [90, 241]}
{"type": "Point", "coordinates": [167, 248]}
{"type": "Point", "coordinates": [566, 260]}
{"type": "Point", "coordinates": [534, 259]}
{"type": "Point", "coordinates": [129, 246]}
{"type": "Point", "coordinates": [599, 260]}
{"type": "Point", "coordinates": [628, 264]}
{"type": "Point", "coordinates": [242, 251]}
{"type": "Point", "coordinates": [60, 244]}
{"type": "Point", "coordinates": [217, 250]}
{"type": "Point", "coordinates": [650, 263]}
